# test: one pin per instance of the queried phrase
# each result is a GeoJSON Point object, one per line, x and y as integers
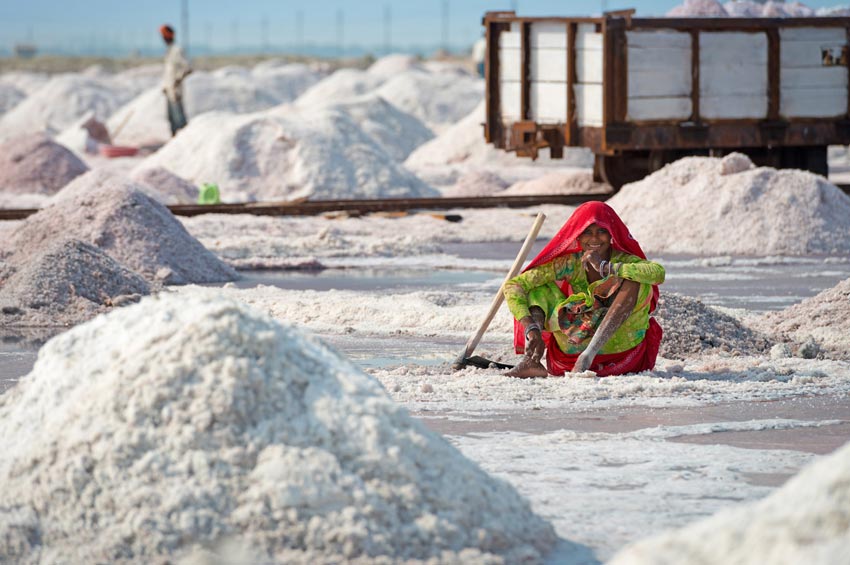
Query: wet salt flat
{"type": "Point", "coordinates": [751, 284]}
{"type": "Point", "coordinates": [739, 283]}
{"type": "Point", "coordinates": [722, 420]}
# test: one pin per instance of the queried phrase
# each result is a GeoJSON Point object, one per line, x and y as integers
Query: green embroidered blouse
{"type": "Point", "coordinates": [536, 287]}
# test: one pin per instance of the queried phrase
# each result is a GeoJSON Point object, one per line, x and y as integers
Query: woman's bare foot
{"type": "Point", "coordinates": [528, 368]}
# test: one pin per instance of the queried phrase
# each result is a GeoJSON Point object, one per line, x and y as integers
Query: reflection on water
{"type": "Point", "coordinates": [756, 284]}
{"type": "Point", "coordinates": [18, 351]}
{"type": "Point", "coordinates": [364, 279]}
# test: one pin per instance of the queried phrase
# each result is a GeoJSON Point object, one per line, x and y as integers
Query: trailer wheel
{"type": "Point", "coordinates": [619, 170]}
{"type": "Point", "coordinates": [812, 158]}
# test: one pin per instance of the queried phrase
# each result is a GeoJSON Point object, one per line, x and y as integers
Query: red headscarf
{"type": "Point", "coordinates": [167, 32]}
{"type": "Point", "coordinates": [566, 241]}
{"type": "Point", "coordinates": [599, 213]}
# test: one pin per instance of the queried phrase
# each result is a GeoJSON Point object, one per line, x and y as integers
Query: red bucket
{"type": "Point", "coordinates": [117, 151]}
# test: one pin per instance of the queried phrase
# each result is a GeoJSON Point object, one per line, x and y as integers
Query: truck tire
{"type": "Point", "coordinates": [619, 170]}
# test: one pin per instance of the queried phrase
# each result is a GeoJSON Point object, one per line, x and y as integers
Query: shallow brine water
{"type": "Point", "coordinates": [748, 283]}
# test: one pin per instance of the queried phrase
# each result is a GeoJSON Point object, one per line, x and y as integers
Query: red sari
{"type": "Point", "coordinates": [639, 358]}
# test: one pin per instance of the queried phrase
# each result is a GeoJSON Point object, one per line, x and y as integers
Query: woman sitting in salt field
{"type": "Point", "coordinates": [586, 299]}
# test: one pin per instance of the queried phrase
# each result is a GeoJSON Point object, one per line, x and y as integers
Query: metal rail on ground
{"type": "Point", "coordinates": [356, 207]}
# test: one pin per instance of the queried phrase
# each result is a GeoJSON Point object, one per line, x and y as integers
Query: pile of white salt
{"type": "Point", "coordinates": [63, 100]}
{"type": "Point", "coordinates": [824, 318]}
{"type": "Point", "coordinates": [113, 214]}
{"type": "Point", "coordinates": [164, 186]}
{"type": "Point", "coordinates": [438, 99]}
{"type": "Point", "coordinates": [398, 133]}
{"type": "Point", "coordinates": [805, 521]}
{"type": "Point", "coordinates": [709, 206]}
{"type": "Point", "coordinates": [65, 283]}
{"type": "Point", "coordinates": [33, 164]}
{"type": "Point", "coordinates": [176, 423]}
{"type": "Point", "coordinates": [319, 154]}
{"type": "Point", "coordinates": [691, 328]}
{"type": "Point", "coordinates": [143, 120]}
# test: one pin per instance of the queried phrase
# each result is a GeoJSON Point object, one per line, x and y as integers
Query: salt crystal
{"type": "Point", "coordinates": [177, 423]}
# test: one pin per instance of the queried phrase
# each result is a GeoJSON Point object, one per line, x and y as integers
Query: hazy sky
{"type": "Point", "coordinates": [77, 25]}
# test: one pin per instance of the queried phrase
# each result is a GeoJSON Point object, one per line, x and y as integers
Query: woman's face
{"type": "Point", "coordinates": [596, 238]}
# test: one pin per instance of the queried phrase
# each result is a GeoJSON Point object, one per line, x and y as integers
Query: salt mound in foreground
{"type": "Point", "coordinates": [182, 421]}
{"type": "Point", "coordinates": [317, 154]}
{"type": "Point", "coordinates": [691, 328]}
{"type": "Point", "coordinates": [67, 283]}
{"type": "Point", "coordinates": [690, 206]}
{"type": "Point", "coordinates": [35, 164]}
{"type": "Point", "coordinates": [805, 521]}
{"type": "Point", "coordinates": [113, 214]}
{"type": "Point", "coordinates": [824, 317]}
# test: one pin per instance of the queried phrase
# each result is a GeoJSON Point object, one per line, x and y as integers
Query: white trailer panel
{"type": "Point", "coordinates": [659, 108]}
{"type": "Point", "coordinates": [737, 107]}
{"type": "Point", "coordinates": [589, 104]}
{"type": "Point", "coordinates": [548, 102]}
{"type": "Point", "coordinates": [510, 98]}
{"type": "Point", "coordinates": [548, 65]}
{"type": "Point", "coordinates": [588, 89]}
{"type": "Point", "coordinates": [510, 71]}
{"type": "Point", "coordinates": [812, 83]}
{"type": "Point", "coordinates": [733, 86]}
{"type": "Point", "coordinates": [547, 35]}
{"type": "Point", "coordinates": [826, 103]}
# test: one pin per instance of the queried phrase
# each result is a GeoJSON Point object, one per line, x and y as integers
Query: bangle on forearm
{"type": "Point", "coordinates": [602, 267]}
{"type": "Point", "coordinates": [531, 328]}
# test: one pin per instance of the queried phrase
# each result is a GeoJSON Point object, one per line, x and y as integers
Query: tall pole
{"type": "Point", "coordinates": [208, 34]}
{"type": "Point", "coordinates": [444, 32]}
{"type": "Point", "coordinates": [388, 26]}
{"type": "Point", "coordinates": [235, 35]}
{"type": "Point", "coordinates": [299, 32]}
{"type": "Point", "coordinates": [340, 32]}
{"type": "Point", "coordinates": [184, 24]}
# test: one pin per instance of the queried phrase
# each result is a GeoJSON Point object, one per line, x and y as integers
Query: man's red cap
{"type": "Point", "coordinates": [167, 32]}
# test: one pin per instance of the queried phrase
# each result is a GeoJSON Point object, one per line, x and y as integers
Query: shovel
{"type": "Point", "coordinates": [465, 358]}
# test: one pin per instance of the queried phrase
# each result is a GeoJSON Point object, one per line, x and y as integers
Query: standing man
{"type": "Point", "coordinates": [176, 69]}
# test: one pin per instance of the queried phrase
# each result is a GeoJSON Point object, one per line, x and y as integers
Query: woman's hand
{"type": "Point", "coordinates": [534, 346]}
{"type": "Point", "coordinates": [591, 260]}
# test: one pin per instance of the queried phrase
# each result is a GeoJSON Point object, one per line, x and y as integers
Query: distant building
{"type": "Point", "coordinates": [25, 50]}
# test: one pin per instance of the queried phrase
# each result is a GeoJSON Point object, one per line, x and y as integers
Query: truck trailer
{"type": "Point", "coordinates": [643, 92]}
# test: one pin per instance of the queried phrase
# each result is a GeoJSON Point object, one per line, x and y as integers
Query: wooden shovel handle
{"type": "Point", "coordinates": [497, 300]}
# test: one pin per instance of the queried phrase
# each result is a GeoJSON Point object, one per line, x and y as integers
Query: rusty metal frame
{"type": "Point", "coordinates": [617, 134]}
